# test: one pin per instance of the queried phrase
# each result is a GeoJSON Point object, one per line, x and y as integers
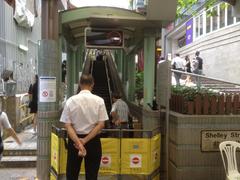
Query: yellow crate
{"type": "Point", "coordinates": [140, 155]}
{"type": "Point", "coordinates": [155, 151]}
{"type": "Point", "coordinates": [55, 152]}
{"type": "Point", "coordinates": [110, 156]}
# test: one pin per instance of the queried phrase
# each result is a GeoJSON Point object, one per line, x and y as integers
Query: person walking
{"type": "Point", "coordinates": [188, 68]}
{"type": "Point", "coordinates": [4, 124]}
{"type": "Point", "coordinates": [119, 112]}
{"type": "Point", "coordinates": [84, 115]}
{"type": "Point", "coordinates": [200, 62]}
{"type": "Point", "coordinates": [178, 64]}
{"type": "Point", "coordinates": [33, 104]}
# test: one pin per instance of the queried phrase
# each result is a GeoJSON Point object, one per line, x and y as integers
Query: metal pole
{"type": "Point", "coordinates": [167, 117]}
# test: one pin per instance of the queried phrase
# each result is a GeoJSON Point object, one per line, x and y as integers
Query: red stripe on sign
{"type": "Point", "coordinates": [105, 160]}
{"type": "Point", "coordinates": [135, 160]}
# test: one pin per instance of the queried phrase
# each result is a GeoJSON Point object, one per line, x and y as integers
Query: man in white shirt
{"type": "Point", "coordinates": [4, 124]}
{"type": "Point", "coordinates": [119, 112]}
{"type": "Point", "coordinates": [84, 116]}
{"type": "Point", "coordinates": [178, 64]}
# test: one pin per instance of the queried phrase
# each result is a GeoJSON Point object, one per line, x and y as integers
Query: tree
{"type": "Point", "coordinates": [185, 5]}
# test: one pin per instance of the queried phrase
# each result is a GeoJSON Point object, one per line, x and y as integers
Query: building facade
{"type": "Point", "coordinates": [213, 32]}
{"type": "Point", "coordinates": [18, 44]}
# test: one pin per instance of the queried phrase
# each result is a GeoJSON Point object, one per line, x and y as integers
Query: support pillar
{"type": "Point", "coordinates": [125, 74]}
{"type": "Point", "coordinates": [49, 64]}
{"type": "Point", "coordinates": [131, 77]}
{"type": "Point", "coordinates": [79, 61]}
{"type": "Point", "coordinates": [48, 114]}
{"type": "Point", "coordinates": [149, 69]}
{"type": "Point", "coordinates": [70, 71]}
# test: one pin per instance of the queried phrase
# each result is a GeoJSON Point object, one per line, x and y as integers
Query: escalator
{"type": "Point", "coordinates": [101, 86]}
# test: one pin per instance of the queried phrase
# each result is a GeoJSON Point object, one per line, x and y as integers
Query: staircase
{"type": "Point", "coordinates": [15, 156]}
{"type": "Point", "coordinates": [101, 86]}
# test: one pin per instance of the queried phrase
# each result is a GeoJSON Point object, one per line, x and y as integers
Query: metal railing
{"type": "Point", "coordinates": [201, 81]}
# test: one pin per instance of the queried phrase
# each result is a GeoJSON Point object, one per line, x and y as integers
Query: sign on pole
{"type": "Point", "coordinates": [47, 89]}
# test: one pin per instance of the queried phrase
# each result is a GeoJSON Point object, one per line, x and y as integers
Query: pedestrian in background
{"type": "Point", "coordinates": [4, 124]}
{"type": "Point", "coordinates": [200, 62]}
{"type": "Point", "coordinates": [84, 115]}
{"type": "Point", "coordinates": [119, 112]}
{"type": "Point", "coordinates": [33, 103]}
{"type": "Point", "coordinates": [188, 69]}
{"type": "Point", "coordinates": [178, 64]}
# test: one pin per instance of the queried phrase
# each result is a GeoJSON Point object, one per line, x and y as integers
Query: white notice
{"type": "Point", "coordinates": [47, 87]}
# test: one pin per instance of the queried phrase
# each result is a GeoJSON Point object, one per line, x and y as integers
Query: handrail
{"type": "Point", "coordinates": [205, 77]}
{"type": "Point", "coordinates": [108, 81]}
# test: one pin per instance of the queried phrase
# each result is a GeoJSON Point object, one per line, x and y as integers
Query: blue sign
{"type": "Point", "coordinates": [189, 32]}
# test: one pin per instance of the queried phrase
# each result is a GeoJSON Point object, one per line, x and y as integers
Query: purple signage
{"type": "Point", "coordinates": [189, 32]}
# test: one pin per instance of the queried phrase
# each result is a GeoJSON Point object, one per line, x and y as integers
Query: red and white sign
{"type": "Point", "coordinates": [106, 161]}
{"type": "Point", "coordinates": [44, 93]}
{"type": "Point", "coordinates": [47, 87]}
{"type": "Point", "coordinates": [135, 160]}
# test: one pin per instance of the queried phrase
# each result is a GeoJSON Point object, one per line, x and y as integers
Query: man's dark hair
{"type": "Point", "coordinates": [177, 54]}
{"type": "Point", "coordinates": [116, 95]}
{"type": "Point", "coordinates": [197, 53]}
{"type": "Point", "coordinates": [86, 79]}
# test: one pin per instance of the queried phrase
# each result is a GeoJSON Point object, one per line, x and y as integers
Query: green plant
{"type": "Point", "coordinates": [139, 84]}
{"type": "Point", "coordinates": [190, 93]}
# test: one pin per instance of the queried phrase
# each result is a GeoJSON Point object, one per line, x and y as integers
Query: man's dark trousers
{"type": "Point", "coordinates": [92, 159]}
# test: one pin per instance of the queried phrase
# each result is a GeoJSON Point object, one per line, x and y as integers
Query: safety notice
{"type": "Point", "coordinates": [47, 87]}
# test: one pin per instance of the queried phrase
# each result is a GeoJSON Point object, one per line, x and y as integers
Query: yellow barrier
{"type": "Point", "coordinates": [140, 155]}
{"type": "Point", "coordinates": [110, 156]}
{"type": "Point", "coordinates": [127, 156]}
{"type": "Point", "coordinates": [58, 154]}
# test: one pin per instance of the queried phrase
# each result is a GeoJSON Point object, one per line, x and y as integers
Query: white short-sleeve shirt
{"type": "Point", "coordinates": [84, 111]}
{"type": "Point", "coordinates": [121, 108]}
{"type": "Point", "coordinates": [4, 122]}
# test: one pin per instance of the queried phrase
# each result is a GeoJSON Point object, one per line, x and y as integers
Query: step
{"type": "Point", "coordinates": [19, 152]}
{"type": "Point", "coordinates": [18, 161]}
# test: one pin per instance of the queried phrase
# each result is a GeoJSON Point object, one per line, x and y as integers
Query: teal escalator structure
{"type": "Point", "coordinates": [106, 79]}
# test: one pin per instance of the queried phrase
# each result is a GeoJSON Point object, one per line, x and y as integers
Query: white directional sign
{"type": "Point", "coordinates": [47, 89]}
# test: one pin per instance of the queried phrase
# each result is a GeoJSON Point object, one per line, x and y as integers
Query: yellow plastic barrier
{"type": "Point", "coordinates": [110, 156]}
{"type": "Point", "coordinates": [127, 156]}
{"type": "Point", "coordinates": [140, 155]}
{"type": "Point", "coordinates": [58, 154]}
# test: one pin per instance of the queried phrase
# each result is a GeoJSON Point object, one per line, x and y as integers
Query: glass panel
{"type": "Point", "coordinates": [208, 22]}
{"type": "Point", "coordinates": [222, 17]}
{"type": "Point", "coordinates": [215, 19]}
{"type": "Point", "coordinates": [238, 19]}
{"type": "Point", "coordinates": [229, 15]}
{"type": "Point", "coordinates": [197, 26]}
{"type": "Point", "coordinates": [201, 24]}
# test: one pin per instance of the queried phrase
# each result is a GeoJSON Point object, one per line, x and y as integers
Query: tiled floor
{"type": "Point", "coordinates": [18, 173]}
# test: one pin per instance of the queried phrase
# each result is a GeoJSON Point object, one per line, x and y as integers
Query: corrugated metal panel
{"type": "Point", "coordinates": [22, 63]}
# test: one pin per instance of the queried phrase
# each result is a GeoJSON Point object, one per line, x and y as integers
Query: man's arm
{"type": "Point", "coordinates": [100, 125]}
{"type": "Point", "coordinates": [72, 134]}
{"type": "Point", "coordinates": [13, 134]}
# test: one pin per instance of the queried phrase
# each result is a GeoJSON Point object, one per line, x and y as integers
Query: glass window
{"type": "Point", "coordinates": [201, 25]}
{"type": "Point", "coordinates": [237, 19]}
{"type": "Point", "coordinates": [215, 18]}
{"type": "Point", "coordinates": [208, 22]}
{"type": "Point", "coordinates": [222, 17]}
{"type": "Point", "coordinates": [197, 26]}
{"type": "Point", "coordinates": [229, 15]}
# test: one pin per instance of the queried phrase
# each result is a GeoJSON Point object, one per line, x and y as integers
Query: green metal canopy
{"type": "Point", "coordinates": [75, 21]}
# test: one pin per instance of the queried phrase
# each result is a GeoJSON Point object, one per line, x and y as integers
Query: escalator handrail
{"type": "Point", "coordinates": [108, 81]}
